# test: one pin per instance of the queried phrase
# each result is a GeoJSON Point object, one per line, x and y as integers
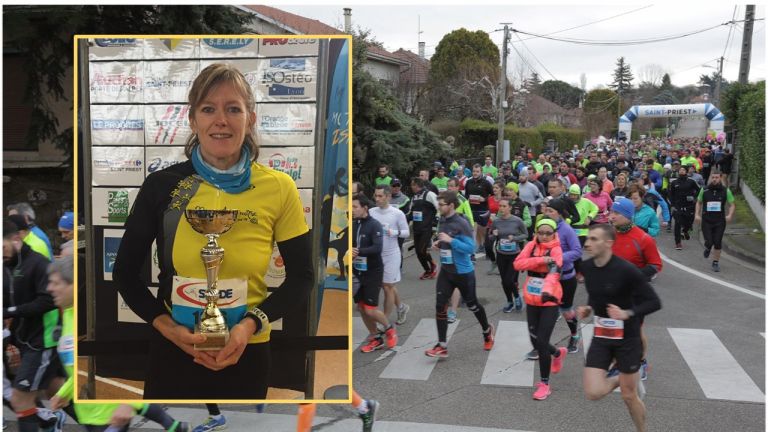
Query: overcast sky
{"type": "Point", "coordinates": [396, 26]}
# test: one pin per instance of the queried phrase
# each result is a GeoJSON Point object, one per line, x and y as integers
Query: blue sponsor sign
{"type": "Point", "coordinates": [112, 43]}
{"type": "Point", "coordinates": [281, 90]}
{"type": "Point", "coordinates": [293, 64]}
{"type": "Point", "coordinates": [228, 44]}
{"type": "Point", "coordinates": [128, 124]}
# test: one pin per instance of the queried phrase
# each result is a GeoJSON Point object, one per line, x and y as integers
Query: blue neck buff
{"type": "Point", "coordinates": [234, 180]}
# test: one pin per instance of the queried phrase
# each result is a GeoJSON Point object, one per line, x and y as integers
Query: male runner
{"type": "Point", "coordinates": [478, 190]}
{"type": "Point", "coordinates": [710, 212]}
{"type": "Point", "coordinates": [618, 294]}
{"type": "Point", "coordinates": [423, 214]}
{"type": "Point", "coordinates": [682, 194]}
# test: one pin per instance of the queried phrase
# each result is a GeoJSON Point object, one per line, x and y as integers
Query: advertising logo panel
{"type": "Point", "coordinates": [287, 79]}
{"type": "Point", "coordinates": [286, 124]}
{"type": "Point", "coordinates": [121, 82]}
{"type": "Point", "coordinates": [297, 162]}
{"type": "Point", "coordinates": [117, 124]}
{"type": "Point", "coordinates": [117, 166]}
{"type": "Point", "coordinates": [112, 238]}
{"type": "Point", "coordinates": [229, 47]}
{"type": "Point", "coordinates": [112, 205]}
{"type": "Point", "coordinates": [166, 124]}
{"type": "Point", "coordinates": [271, 47]}
{"type": "Point", "coordinates": [116, 49]}
{"type": "Point", "coordinates": [159, 158]}
{"type": "Point", "coordinates": [171, 48]}
{"type": "Point", "coordinates": [169, 81]}
{"type": "Point", "coordinates": [125, 314]}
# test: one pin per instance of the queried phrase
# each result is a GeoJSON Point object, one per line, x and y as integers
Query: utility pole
{"type": "Point", "coordinates": [502, 96]}
{"type": "Point", "coordinates": [719, 81]}
{"type": "Point", "coordinates": [746, 52]}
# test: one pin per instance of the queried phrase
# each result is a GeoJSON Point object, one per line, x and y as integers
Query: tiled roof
{"type": "Point", "coordinates": [417, 71]}
{"type": "Point", "coordinates": [298, 23]}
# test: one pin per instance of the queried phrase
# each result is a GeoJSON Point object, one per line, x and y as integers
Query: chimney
{"type": "Point", "coordinates": [347, 20]}
{"type": "Point", "coordinates": [421, 49]}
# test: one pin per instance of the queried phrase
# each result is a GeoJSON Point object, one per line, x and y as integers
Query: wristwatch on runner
{"type": "Point", "coordinates": [259, 317]}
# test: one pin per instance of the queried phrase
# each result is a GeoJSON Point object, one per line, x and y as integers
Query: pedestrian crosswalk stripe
{"type": "Point", "coordinates": [410, 361]}
{"type": "Point", "coordinates": [359, 332]}
{"type": "Point", "coordinates": [506, 363]}
{"type": "Point", "coordinates": [718, 373]}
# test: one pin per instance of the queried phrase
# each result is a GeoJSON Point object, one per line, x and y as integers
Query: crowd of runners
{"type": "Point", "coordinates": [545, 224]}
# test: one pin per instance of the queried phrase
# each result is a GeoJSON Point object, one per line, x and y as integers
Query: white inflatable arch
{"type": "Point", "coordinates": [716, 118]}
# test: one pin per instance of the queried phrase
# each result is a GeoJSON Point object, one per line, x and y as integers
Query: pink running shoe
{"type": "Point", "coordinates": [542, 391]}
{"type": "Point", "coordinates": [557, 362]}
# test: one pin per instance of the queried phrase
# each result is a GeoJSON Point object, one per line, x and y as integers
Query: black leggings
{"type": "Point", "coordinates": [569, 292]}
{"type": "Point", "coordinates": [509, 275]}
{"type": "Point", "coordinates": [489, 252]}
{"type": "Point", "coordinates": [683, 222]}
{"type": "Point", "coordinates": [465, 283]}
{"type": "Point", "coordinates": [541, 322]}
{"type": "Point", "coordinates": [421, 240]}
{"type": "Point", "coordinates": [171, 374]}
{"type": "Point", "coordinates": [713, 234]}
{"type": "Point", "coordinates": [577, 263]}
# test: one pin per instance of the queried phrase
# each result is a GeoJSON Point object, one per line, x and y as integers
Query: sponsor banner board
{"type": "Point", "coordinates": [125, 314]}
{"type": "Point", "coordinates": [116, 49]}
{"type": "Point", "coordinates": [114, 81]}
{"type": "Point", "coordinates": [249, 67]}
{"type": "Point", "coordinates": [112, 205]}
{"type": "Point", "coordinates": [169, 81]}
{"type": "Point", "coordinates": [112, 238]}
{"type": "Point", "coordinates": [228, 47]}
{"type": "Point", "coordinates": [159, 158]}
{"type": "Point", "coordinates": [285, 124]}
{"type": "Point", "coordinates": [117, 124]}
{"type": "Point", "coordinates": [117, 166]}
{"type": "Point", "coordinates": [287, 79]}
{"type": "Point", "coordinates": [171, 48]}
{"type": "Point", "coordinates": [271, 47]}
{"type": "Point", "coordinates": [166, 124]}
{"type": "Point", "coordinates": [297, 162]}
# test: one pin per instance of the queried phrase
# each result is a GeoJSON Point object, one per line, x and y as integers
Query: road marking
{"type": "Point", "coordinates": [506, 363]}
{"type": "Point", "coordinates": [710, 278]}
{"type": "Point", "coordinates": [762, 334]}
{"type": "Point", "coordinates": [410, 361]}
{"type": "Point", "coordinates": [114, 383]}
{"type": "Point", "coordinates": [717, 372]}
{"type": "Point", "coordinates": [359, 332]}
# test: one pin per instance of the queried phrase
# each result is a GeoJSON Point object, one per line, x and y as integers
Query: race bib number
{"type": "Point", "coordinates": [608, 328]}
{"type": "Point", "coordinates": [618, 197]}
{"type": "Point", "coordinates": [714, 206]}
{"type": "Point", "coordinates": [440, 189]}
{"type": "Point", "coordinates": [474, 199]}
{"type": "Point", "coordinates": [446, 256]}
{"type": "Point", "coordinates": [66, 350]}
{"type": "Point", "coordinates": [417, 216]}
{"type": "Point", "coordinates": [506, 245]}
{"type": "Point", "coordinates": [534, 286]}
{"type": "Point", "coordinates": [188, 300]}
{"type": "Point", "coordinates": [360, 263]}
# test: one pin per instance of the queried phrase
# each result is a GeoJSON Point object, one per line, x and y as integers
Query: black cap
{"type": "Point", "coordinates": [395, 183]}
{"type": "Point", "coordinates": [19, 221]}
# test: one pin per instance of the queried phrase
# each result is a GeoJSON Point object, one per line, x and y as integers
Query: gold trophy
{"type": "Point", "coordinates": [211, 322]}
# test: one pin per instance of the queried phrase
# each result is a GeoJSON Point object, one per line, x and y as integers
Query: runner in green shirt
{"type": "Point", "coordinates": [384, 177]}
{"type": "Point", "coordinates": [440, 180]}
{"type": "Point", "coordinates": [489, 169]}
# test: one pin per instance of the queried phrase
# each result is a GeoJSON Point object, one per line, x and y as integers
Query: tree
{"type": "Point", "coordinates": [464, 76]}
{"type": "Point", "coordinates": [383, 133]}
{"type": "Point", "coordinates": [622, 77]}
{"type": "Point", "coordinates": [666, 82]}
{"type": "Point", "coordinates": [600, 109]}
{"type": "Point", "coordinates": [533, 83]}
{"type": "Point", "coordinates": [561, 93]}
{"type": "Point", "coordinates": [652, 74]}
{"type": "Point", "coordinates": [45, 34]}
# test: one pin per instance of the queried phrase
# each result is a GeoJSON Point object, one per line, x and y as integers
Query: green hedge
{"type": "Point", "coordinates": [480, 133]}
{"type": "Point", "coordinates": [751, 139]}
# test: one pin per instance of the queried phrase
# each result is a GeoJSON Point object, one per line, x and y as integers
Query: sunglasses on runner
{"type": "Point", "coordinates": [545, 233]}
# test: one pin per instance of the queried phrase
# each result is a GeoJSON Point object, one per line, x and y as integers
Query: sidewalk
{"type": "Point", "coordinates": [744, 239]}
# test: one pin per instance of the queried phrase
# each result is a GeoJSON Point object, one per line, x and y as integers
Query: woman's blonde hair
{"type": "Point", "coordinates": [208, 79]}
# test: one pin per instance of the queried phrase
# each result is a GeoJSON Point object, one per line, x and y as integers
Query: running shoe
{"type": "Point", "coordinates": [212, 424]}
{"type": "Point", "coordinates": [509, 307]}
{"type": "Point", "coordinates": [181, 427]}
{"type": "Point", "coordinates": [518, 303]}
{"type": "Point", "coordinates": [644, 370]}
{"type": "Point", "coordinates": [687, 234]}
{"type": "Point", "coordinates": [706, 253]}
{"type": "Point", "coordinates": [373, 344]}
{"type": "Point", "coordinates": [437, 351]}
{"type": "Point", "coordinates": [542, 391]}
{"type": "Point", "coordinates": [493, 269]}
{"type": "Point", "coordinates": [669, 228]}
{"type": "Point", "coordinates": [614, 371]}
{"type": "Point", "coordinates": [432, 275]}
{"type": "Point", "coordinates": [533, 355]}
{"type": "Point", "coordinates": [370, 417]}
{"type": "Point", "coordinates": [489, 338]}
{"type": "Point", "coordinates": [557, 362]}
{"type": "Point", "coordinates": [402, 313]}
{"type": "Point", "coordinates": [451, 317]}
{"type": "Point", "coordinates": [573, 344]}
{"type": "Point", "coordinates": [678, 246]}
{"type": "Point", "coordinates": [391, 337]}
{"type": "Point", "coordinates": [716, 266]}
{"type": "Point", "coordinates": [55, 423]}
{"type": "Point", "coordinates": [424, 275]}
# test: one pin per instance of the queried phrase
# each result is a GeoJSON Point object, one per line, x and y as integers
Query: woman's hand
{"type": "Point", "coordinates": [181, 336]}
{"type": "Point", "coordinates": [57, 402]}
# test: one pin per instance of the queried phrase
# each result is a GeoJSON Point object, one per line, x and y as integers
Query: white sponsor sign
{"type": "Point", "coordinates": [285, 124]}
{"type": "Point", "coordinates": [271, 47]}
{"type": "Point", "coordinates": [117, 124]}
{"type": "Point", "coordinates": [297, 162]}
{"type": "Point", "coordinates": [287, 79]}
{"type": "Point", "coordinates": [111, 242]}
{"type": "Point", "coordinates": [159, 158]}
{"type": "Point", "coordinates": [166, 124]}
{"type": "Point", "coordinates": [169, 81]}
{"type": "Point", "coordinates": [691, 110]}
{"type": "Point", "coordinates": [228, 47]}
{"type": "Point", "coordinates": [125, 314]}
{"type": "Point", "coordinates": [112, 82]}
{"type": "Point", "coordinates": [116, 49]}
{"type": "Point", "coordinates": [171, 48]}
{"type": "Point", "coordinates": [117, 166]}
{"type": "Point", "coordinates": [112, 205]}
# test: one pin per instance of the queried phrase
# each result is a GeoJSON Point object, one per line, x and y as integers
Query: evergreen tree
{"type": "Point", "coordinates": [666, 82]}
{"type": "Point", "coordinates": [533, 83]}
{"type": "Point", "coordinates": [622, 77]}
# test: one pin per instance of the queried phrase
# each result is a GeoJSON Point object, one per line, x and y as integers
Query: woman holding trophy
{"type": "Point", "coordinates": [214, 218]}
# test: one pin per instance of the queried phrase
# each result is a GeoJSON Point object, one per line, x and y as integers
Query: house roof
{"type": "Point", "coordinates": [417, 70]}
{"type": "Point", "coordinates": [297, 24]}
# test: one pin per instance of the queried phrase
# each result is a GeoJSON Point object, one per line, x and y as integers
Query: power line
{"type": "Point", "coordinates": [730, 31]}
{"type": "Point", "coordinates": [536, 58]}
{"type": "Point", "coordinates": [589, 23]}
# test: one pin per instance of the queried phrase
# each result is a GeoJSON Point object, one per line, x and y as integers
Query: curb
{"type": "Point", "coordinates": [731, 248]}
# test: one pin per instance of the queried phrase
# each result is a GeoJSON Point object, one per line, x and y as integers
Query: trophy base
{"type": "Point", "coordinates": [215, 341]}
